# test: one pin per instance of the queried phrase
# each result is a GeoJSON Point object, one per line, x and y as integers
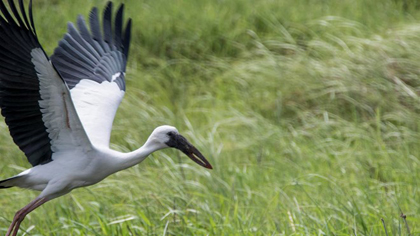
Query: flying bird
{"type": "Point", "coordinates": [60, 109]}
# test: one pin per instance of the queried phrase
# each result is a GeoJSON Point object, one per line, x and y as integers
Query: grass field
{"type": "Point", "coordinates": [308, 110]}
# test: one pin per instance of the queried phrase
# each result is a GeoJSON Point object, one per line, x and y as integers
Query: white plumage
{"type": "Point", "coordinates": [58, 113]}
{"type": "Point", "coordinates": [60, 110]}
{"type": "Point", "coordinates": [96, 106]}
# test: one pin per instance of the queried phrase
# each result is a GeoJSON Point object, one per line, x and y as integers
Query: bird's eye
{"type": "Point", "coordinates": [170, 134]}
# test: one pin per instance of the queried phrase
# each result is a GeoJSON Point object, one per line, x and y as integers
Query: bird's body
{"type": "Point", "coordinates": [60, 110]}
{"type": "Point", "coordinates": [92, 167]}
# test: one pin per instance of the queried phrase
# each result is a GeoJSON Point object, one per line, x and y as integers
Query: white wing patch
{"type": "Point", "coordinates": [114, 77]}
{"type": "Point", "coordinates": [58, 113]}
{"type": "Point", "coordinates": [96, 105]}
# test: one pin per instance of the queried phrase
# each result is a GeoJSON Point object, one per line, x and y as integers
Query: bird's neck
{"type": "Point", "coordinates": [130, 159]}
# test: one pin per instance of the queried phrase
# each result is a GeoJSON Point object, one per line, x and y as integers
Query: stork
{"type": "Point", "coordinates": [60, 110]}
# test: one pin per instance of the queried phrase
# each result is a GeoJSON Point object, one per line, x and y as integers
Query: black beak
{"type": "Point", "coordinates": [179, 142]}
{"type": "Point", "coordinates": [196, 156]}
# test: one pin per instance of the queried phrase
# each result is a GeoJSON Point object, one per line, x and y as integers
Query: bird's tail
{"type": "Point", "coordinates": [8, 183]}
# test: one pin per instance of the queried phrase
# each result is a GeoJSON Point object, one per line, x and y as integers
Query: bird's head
{"type": "Point", "coordinates": [168, 136]}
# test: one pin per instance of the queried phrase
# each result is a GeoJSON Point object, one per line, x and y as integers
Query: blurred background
{"type": "Point", "coordinates": [308, 111]}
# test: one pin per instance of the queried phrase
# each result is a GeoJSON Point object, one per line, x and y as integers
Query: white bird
{"type": "Point", "coordinates": [60, 110]}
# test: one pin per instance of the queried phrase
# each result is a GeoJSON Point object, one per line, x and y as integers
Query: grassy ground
{"type": "Point", "coordinates": [308, 111]}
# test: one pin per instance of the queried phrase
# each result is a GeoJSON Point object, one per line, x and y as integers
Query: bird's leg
{"type": "Point", "coordinates": [27, 211]}
{"type": "Point", "coordinates": [20, 215]}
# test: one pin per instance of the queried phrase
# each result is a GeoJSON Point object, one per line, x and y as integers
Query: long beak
{"type": "Point", "coordinates": [192, 152]}
{"type": "Point", "coordinates": [198, 158]}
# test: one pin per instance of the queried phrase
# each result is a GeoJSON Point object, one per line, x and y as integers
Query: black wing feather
{"type": "Point", "coordinates": [15, 13]}
{"type": "Point", "coordinates": [127, 36]}
{"type": "Point", "coordinates": [7, 15]}
{"type": "Point", "coordinates": [93, 55]}
{"type": "Point", "coordinates": [22, 10]}
{"type": "Point", "coordinates": [19, 85]}
{"type": "Point", "coordinates": [118, 28]}
{"type": "Point", "coordinates": [95, 26]}
{"type": "Point", "coordinates": [107, 23]}
{"type": "Point", "coordinates": [31, 18]}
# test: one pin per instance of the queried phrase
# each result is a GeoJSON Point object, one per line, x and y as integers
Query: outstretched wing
{"type": "Point", "coordinates": [34, 99]}
{"type": "Point", "coordinates": [93, 65]}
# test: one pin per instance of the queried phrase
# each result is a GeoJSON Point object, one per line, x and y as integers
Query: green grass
{"type": "Point", "coordinates": [308, 111]}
